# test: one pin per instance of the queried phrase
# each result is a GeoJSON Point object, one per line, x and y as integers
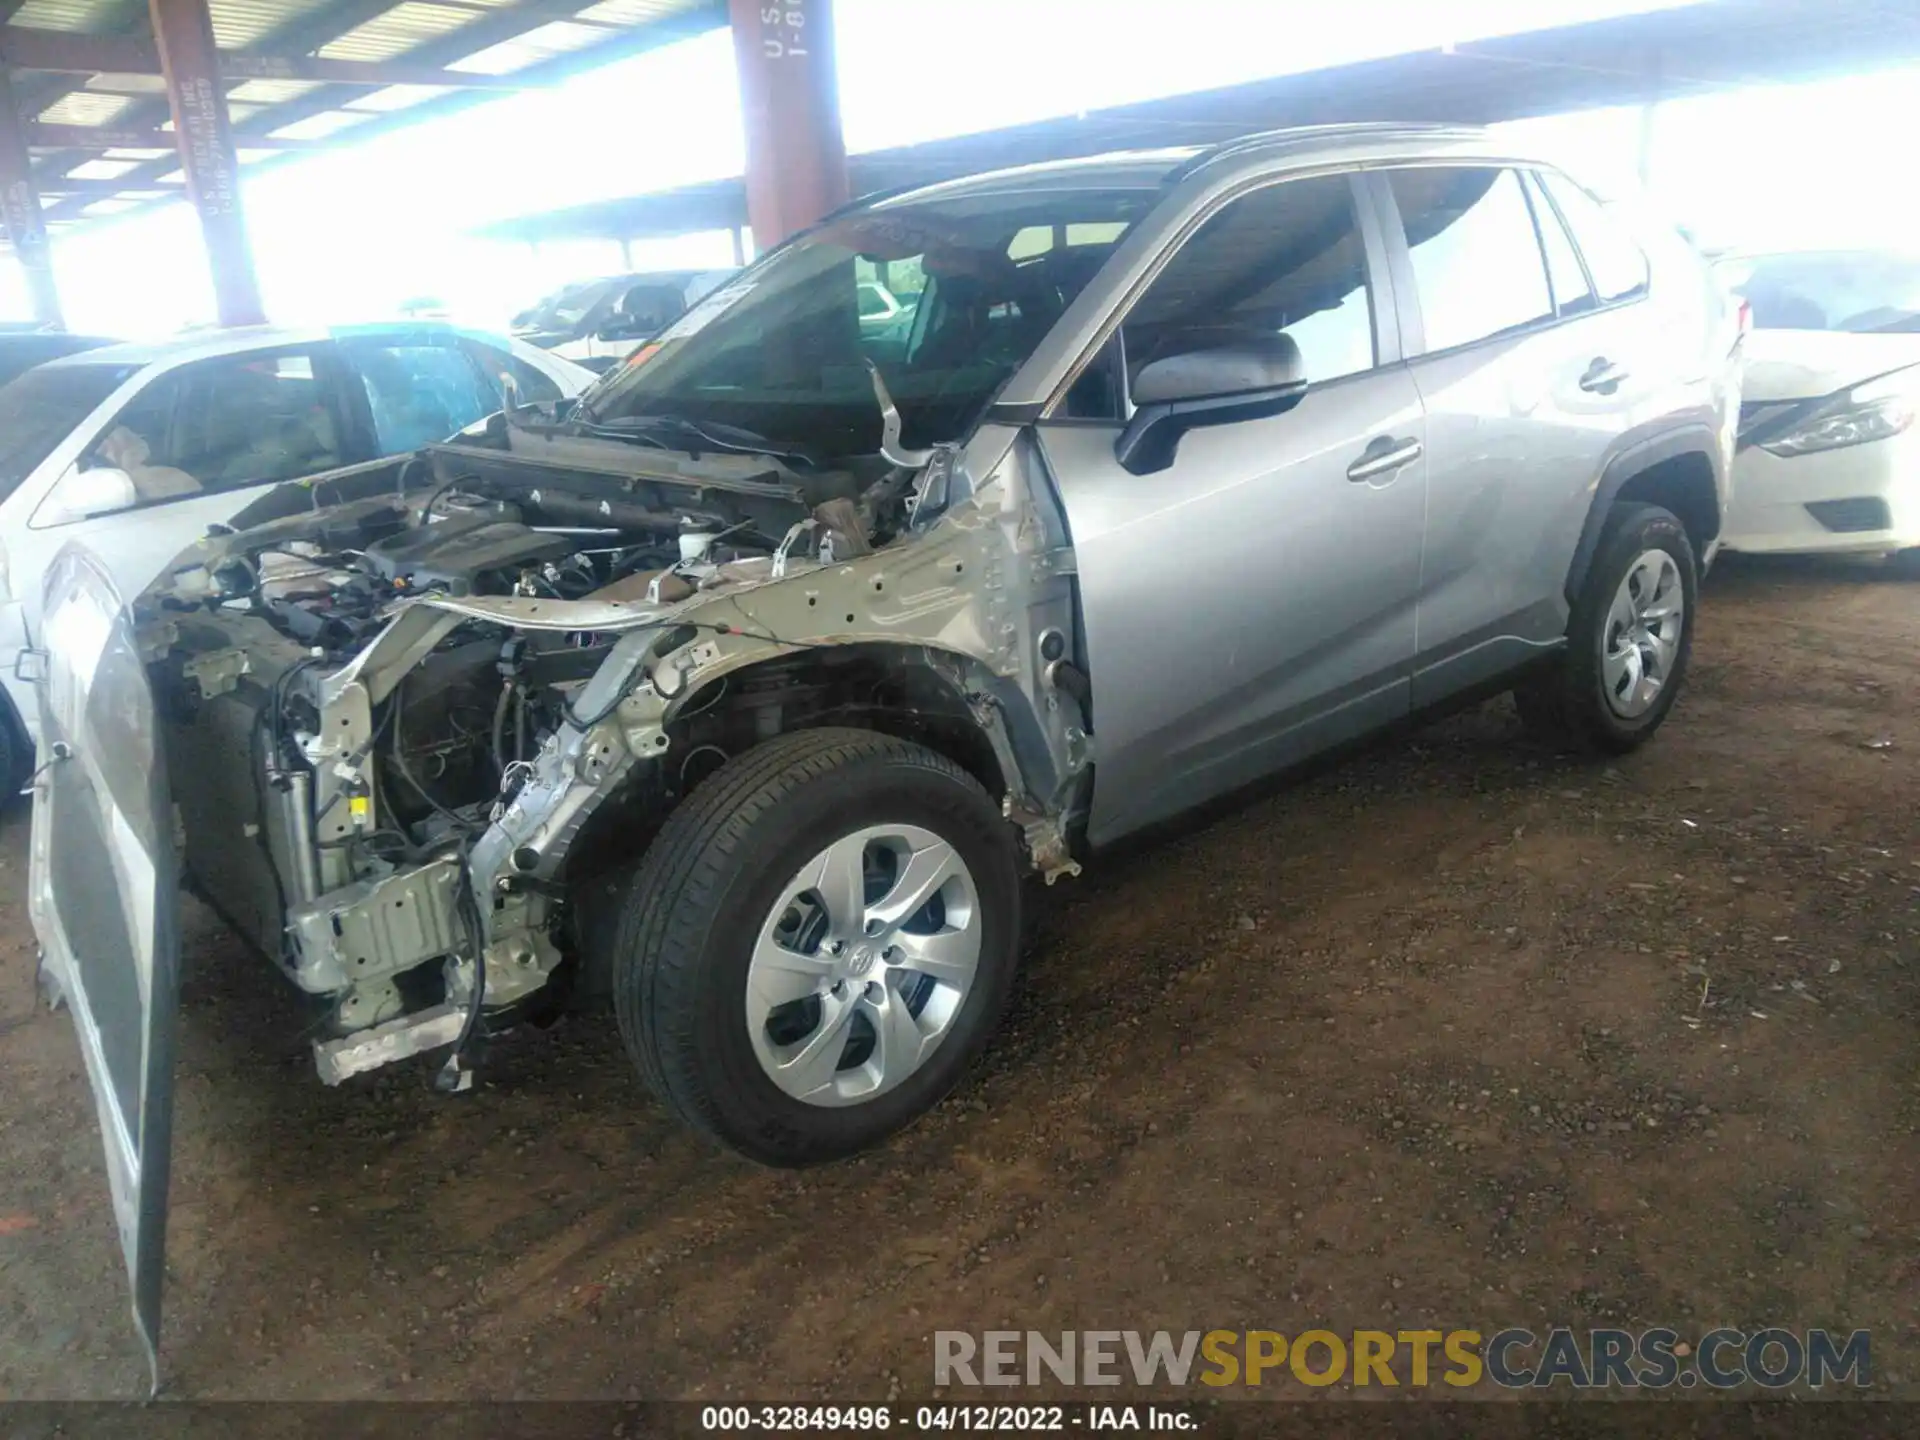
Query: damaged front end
{"type": "Point", "coordinates": [414, 735]}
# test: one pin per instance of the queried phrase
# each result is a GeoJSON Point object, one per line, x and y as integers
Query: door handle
{"type": "Point", "coordinates": [1384, 456]}
{"type": "Point", "coordinates": [1603, 377]}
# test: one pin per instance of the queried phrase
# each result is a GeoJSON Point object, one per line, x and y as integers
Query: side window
{"type": "Point", "coordinates": [223, 425]}
{"type": "Point", "coordinates": [1619, 266]}
{"type": "Point", "coordinates": [1476, 261]}
{"type": "Point", "coordinates": [647, 309]}
{"type": "Point", "coordinates": [1286, 259]}
{"type": "Point", "coordinates": [419, 393]}
{"type": "Point", "coordinates": [1572, 295]}
{"type": "Point", "coordinates": [536, 387]}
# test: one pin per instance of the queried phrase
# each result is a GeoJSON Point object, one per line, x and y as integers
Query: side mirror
{"type": "Point", "coordinates": [82, 494]}
{"type": "Point", "coordinates": [1247, 380]}
{"type": "Point", "coordinates": [618, 327]}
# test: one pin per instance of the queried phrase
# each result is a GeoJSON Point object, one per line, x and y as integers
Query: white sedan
{"type": "Point", "coordinates": [135, 450]}
{"type": "Point", "coordinates": [1829, 458]}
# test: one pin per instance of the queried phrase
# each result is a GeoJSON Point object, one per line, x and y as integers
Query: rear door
{"type": "Point", "coordinates": [104, 897]}
{"type": "Point", "coordinates": [1528, 383]}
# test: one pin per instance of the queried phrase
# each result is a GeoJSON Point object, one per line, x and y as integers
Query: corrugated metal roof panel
{"type": "Point", "coordinates": [544, 43]}
{"type": "Point", "coordinates": [319, 127]}
{"type": "Point", "coordinates": [69, 15]}
{"type": "Point", "coordinates": [117, 84]}
{"type": "Point", "coordinates": [395, 97]}
{"type": "Point", "coordinates": [637, 12]}
{"type": "Point", "coordinates": [237, 23]}
{"type": "Point", "coordinates": [399, 30]}
{"type": "Point", "coordinates": [84, 107]}
{"type": "Point", "coordinates": [103, 169]}
{"type": "Point", "coordinates": [272, 92]}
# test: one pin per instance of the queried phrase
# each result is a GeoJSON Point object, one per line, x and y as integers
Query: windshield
{"type": "Point", "coordinates": [946, 297]}
{"type": "Point", "coordinates": [1858, 291]}
{"type": "Point", "coordinates": [43, 407]}
{"type": "Point", "coordinates": [566, 307]}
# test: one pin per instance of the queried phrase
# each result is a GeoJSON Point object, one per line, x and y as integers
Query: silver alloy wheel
{"type": "Point", "coordinates": [1642, 640]}
{"type": "Point", "coordinates": [862, 964]}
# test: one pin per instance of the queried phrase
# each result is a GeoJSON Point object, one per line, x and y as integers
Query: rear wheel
{"type": "Point", "coordinates": [818, 943]}
{"type": "Point", "coordinates": [1628, 639]}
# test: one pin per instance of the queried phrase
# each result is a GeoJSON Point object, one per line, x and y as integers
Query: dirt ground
{"type": "Point", "coordinates": [1459, 1034]}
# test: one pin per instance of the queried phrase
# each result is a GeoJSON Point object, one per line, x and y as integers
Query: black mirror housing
{"type": "Point", "coordinates": [1220, 385]}
{"type": "Point", "coordinates": [1152, 438]}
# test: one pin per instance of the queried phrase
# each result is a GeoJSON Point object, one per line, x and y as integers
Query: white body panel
{"type": "Point", "coordinates": [1771, 492]}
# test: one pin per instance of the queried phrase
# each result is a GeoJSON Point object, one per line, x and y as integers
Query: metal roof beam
{"type": "Point", "coordinates": [42, 136]}
{"type": "Point", "coordinates": [184, 30]}
{"type": "Point", "coordinates": [29, 49]}
{"type": "Point", "coordinates": [87, 191]}
{"type": "Point", "coordinates": [498, 24]}
{"type": "Point", "coordinates": [20, 210]}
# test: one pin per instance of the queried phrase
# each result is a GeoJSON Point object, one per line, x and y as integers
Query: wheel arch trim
{"type": "Point", "coordinates": [1628, 464]}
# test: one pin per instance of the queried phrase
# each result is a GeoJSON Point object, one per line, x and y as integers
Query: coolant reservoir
{"type": "Point", "coordinates": [694, 545]}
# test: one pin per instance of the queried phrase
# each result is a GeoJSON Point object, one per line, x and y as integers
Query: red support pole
{"type": "Point", "coordinates": [205, 141]}
{"type": "Point", "coordinates": [790, 100]}
{"type": "Point", "coordinates": [20, 208]}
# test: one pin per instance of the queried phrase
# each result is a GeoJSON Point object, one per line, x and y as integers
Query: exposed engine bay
{"type": "Point", "coordinates": [415, 732]}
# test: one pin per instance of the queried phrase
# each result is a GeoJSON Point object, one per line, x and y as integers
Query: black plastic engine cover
{"type": "Point", "coordinates": [456, 553]}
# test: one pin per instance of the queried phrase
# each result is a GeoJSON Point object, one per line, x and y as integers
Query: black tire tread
{"type": "Point", "coordinates": [676, 890]}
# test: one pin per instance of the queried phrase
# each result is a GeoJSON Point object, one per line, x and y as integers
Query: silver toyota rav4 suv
{"type": "Point", "coordinates": [746, 690]}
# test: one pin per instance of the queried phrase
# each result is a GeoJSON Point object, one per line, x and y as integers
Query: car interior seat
{"type": "Point", "coordinates": [128, 450]}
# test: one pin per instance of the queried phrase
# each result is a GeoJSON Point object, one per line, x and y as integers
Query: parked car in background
{"type": "Point", "coordinates": [23, 349]}
{"type": "Point", "coordinates": [598, 323]}
{"type": "Point", "coordinates": [1197, 464]}
{"type": "Point", "coordinates": [134, 450]}
{"type": "Point", "coordinates": [1829, 458]}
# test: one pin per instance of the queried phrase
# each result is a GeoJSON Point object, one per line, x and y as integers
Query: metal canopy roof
{"type": "Point", "coordinates": [86, 80]}
{"type": "Point", "coordinates": [1689, 50]}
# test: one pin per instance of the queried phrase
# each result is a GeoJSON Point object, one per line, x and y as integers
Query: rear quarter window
{"type": "Point", "coordinates": [1614, 259]}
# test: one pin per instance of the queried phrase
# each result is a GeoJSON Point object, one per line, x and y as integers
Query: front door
{"type": "Point", "coordinates": [1254, 602]}
{"type": "Point", "coordinates": [103, 891]}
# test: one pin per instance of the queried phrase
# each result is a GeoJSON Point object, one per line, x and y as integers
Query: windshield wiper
{"type": "Point", "coordinates": [694, 438]}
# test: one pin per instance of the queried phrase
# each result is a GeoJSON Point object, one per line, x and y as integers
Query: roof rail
{"type": "Point", "coordinates": [1351, 130]}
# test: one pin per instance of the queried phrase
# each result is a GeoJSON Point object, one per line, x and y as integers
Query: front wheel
{"type": "Point", "coordinates": [1628, 639]}
{"type": "Point", "coordinates": [819, 941]}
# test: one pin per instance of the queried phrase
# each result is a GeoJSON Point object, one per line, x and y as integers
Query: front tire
{"type": "Point", "coordinates": [1629, 638]}
{"type": "Point", "coordinates": [16, 756]}
{"type": "Point", "coordinates": [818, 943]}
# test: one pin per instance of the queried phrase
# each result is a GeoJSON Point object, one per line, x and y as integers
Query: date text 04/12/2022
{"type": "Point", "coordinates": [937, 1419]}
